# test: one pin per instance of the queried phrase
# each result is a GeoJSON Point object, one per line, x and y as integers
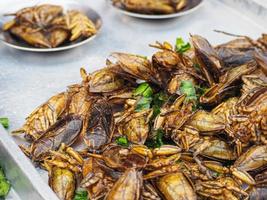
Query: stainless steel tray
{"type": "Point", "coordinates": [25, 180]}
{"type": "Point", "coordinates": [28, 79]}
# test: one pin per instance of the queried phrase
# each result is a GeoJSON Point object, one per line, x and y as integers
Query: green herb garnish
{"type": "Point", "coordinates": [158, 100]}
{"type": "Point", "coordinates": [200, 90]}
{"type": "Point", "coordinates": [81, 195]}
{"type": "Point", "coordinates": [4, 184]}
{"type": "Point", "coordinates": [4, 121]}
{"type": "Point", "coordinates": [159, 137]}
{"type": "Point", "coordinates": [187, 87]}
{"type": "Point", "coordinates": [122, 141]}
{"type": "Point", "coordinates": [144, 90]}
{"type": "Point", "coordinates": [181, 46]}
{"type": "Point", "coordinates": [157, 141]}
{"type": "Point", "coordinates": [143, 103]}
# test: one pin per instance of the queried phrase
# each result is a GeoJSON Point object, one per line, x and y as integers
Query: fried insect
{"type": "Point", "coordinates": [44, 116]}
{"type": "Point", "coordinates": [176, 186]}
{"type": "Point", "coordinates": [136, 126]}
{"type": "Point", "coordinates": [65, 130]}
{"type": "Point", "coordinates": [99, 126]}
{"type": "Point", "coordinates": [80, 25]}
{"type": "Point", "coordinates": [131, 66]}
{"type": "Point", "coordinates": [62, 166]}
{"type": "Point", "coordinates": [105, 81]}
{"type": "Point", "coordinates": [223, 188]}
{"type": "Point", "coordinates": [32, 36]}
{"type": "Point", "coordinates": [40, 16]}
{"type": "Point", "coordinates": [127, 186]}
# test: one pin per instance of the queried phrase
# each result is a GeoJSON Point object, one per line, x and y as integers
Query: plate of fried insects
{"type": "Point", "coordinates": [196, 121]}
{"type": "Point", "coordinates": [49, 27]}
{"type": "Point", "coordinates": [156, 9]}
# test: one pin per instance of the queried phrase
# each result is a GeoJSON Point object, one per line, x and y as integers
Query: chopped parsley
{"type": "Point", "coordinates": [181, 46]}
{"type": "Point", "coordinates": [122, 141]}
{"type": "Point", "coordinates": [4, 121]}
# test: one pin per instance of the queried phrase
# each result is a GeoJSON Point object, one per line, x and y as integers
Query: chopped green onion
{"type": "Point", "coordinates": [157, 141]}
{"type": "Point", "coordinates": [4, 121]}
{"type": "Point", "coordinates": [81, 195]}
{"type": "Point", "coordinates": [159, 137]}
{"type": "Point", "coordinates": [181, 46]}
{"type": "Point", "coordinates": [144, 90]}
{"type": "Point", "coordinates": [122, 141]}
{"type": "Point", "coordinates": [4, 184]}
{"type": "Point", "coordinates": [187, 87]}
{"type": "Point", "coordinates": [143, 103]}
{"type": "Point", "coordinates": [158, 100]}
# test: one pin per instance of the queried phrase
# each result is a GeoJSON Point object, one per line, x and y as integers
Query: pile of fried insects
{"type": "Point", "coordinates": [155, 7]}
{"type": "Point", "coordinates": [47, 26]}
{"type": "Point", "coordinates": [188, 124]}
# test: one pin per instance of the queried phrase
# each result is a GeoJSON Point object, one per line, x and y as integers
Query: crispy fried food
{"type": "Point", "coordinates": [80, 25]}
{"type": "Point", "coordinates": [47, 26]}
{"type": "Point", "coordinates": [190, 123]}
{"type": "Point", "coordinates": [152, 6]}
{"type": "Point", "coordinates": [33, 36]}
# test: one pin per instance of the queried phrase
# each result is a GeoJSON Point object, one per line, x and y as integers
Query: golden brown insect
{"type": "Point", "coordinates": [136, 126]}
{"type": "Point", "coordinates": [44, 116]}
{"type": "Point", "coordinates": [80, 25]}
{"type": "Point", "coordinates": [252, 160]}
{"type": "Point", "coordinates": [127, 186]}
{"type": "Point", "coordinates": [33, 36]}
{"type": "Point", "coordinates": [62, 167]}
{"type": "Point", "coordinates": [62, 182]}
{"type": "Point", "coordinates": [250, 121]}
{"type": "Point", "coordinates": [132, 66]}
{"type": "Point", "coordinates": [174, 116]}
{"type": "Point", "coordinates": [223, 188]}
{"type": "Point", "coordinates": [97, 178]}
{"type": "Point", "coordinates": [206, 122]}
{"type": "Point", "coordinates": [105, 81]}
{"type": "Point", "coordinates": [176, 186]}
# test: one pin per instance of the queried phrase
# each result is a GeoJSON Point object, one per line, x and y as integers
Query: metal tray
{"type": "Point", "coordinates": [25, 180]}
{"type": "Point", "coordinates": [28, 79]}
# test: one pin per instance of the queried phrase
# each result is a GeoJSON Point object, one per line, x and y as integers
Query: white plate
{"type": "Point", "coordinates": [12, 41]}
{"type": "Point", "coordinates": [196, 4]}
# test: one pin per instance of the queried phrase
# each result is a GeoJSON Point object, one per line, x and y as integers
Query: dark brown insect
{"type": "Point", "coordinates": [99, 126]}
